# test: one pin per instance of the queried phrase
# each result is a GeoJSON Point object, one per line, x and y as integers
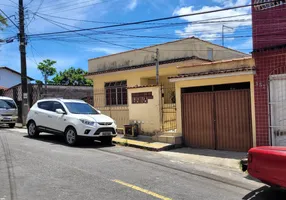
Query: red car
{"type": "Point", "coordinates": [267, 164]}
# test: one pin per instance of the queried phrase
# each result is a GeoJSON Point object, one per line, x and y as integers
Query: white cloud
{"type": "Point", "coordinates": [211, 31]}
{"type": "Point", "coordinates": [245, 46]}
{"type": "Point", "coordinates": [132, 5]}
{"type": "Point", "coordinates": [106, 50]}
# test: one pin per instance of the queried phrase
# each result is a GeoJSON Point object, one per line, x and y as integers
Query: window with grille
{"type": "Point", "coordinates": [116, 93]}
{"type": "Point", "coordinates": [265, 4]}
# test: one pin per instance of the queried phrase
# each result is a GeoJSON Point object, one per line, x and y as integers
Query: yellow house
{"type": "Point", "coordinates": [125, 84]}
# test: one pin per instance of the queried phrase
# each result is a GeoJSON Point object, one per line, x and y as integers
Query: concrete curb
{"type": "Point", "coordinates": [166, 148]}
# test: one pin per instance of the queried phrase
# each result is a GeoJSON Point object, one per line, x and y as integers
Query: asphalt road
{"type": "Point", "coordinates": [45, 168]}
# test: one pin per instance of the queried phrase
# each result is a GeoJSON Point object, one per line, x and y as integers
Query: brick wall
{"type": "Point", "coordinates": [269, 26]}
{"type": "Point", "coordinates": [267, 63]}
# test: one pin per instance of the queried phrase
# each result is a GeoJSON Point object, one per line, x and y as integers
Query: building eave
{"type": "Point", "coordinates": [176, 60]}
{"type": "Point", "coordinates": [213, 74]}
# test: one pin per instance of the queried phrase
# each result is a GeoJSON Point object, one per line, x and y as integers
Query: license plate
{"type": "Point", "coordinates": [7, 119]}
{"type": "Point", "coordinates": [106, 133]}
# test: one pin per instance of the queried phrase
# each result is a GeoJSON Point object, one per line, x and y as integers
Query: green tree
{"type": "Point", "coordinates": [72, 76]}
{"type": "Point", "coordinates": [47, 69]}
{"type": "Point", "coordinates": [39, 82]}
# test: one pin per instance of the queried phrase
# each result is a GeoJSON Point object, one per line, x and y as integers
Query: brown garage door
{"type": "Point", "coordinates": [198, 119]}
{"type": "Point", "coordinates": [217, 120]}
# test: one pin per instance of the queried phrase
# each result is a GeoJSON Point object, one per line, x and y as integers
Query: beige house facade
{"type": "Point", "coordinates": [125, 83]}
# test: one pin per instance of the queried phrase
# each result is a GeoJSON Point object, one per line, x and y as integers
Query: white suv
{"type": "Point", "coordinates": [72, 119]}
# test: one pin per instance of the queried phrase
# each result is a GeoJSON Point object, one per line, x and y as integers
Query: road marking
{"type": "Point", "coordinates": [142, 190]}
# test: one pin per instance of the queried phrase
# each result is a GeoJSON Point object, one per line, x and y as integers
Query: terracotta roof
{"type": "Point", "coordinates": [13, 71]}
{"type": "Point", "coordinates": [2, 88]}
{"type": "Point", "coordinates": [216, 62]}
{"type": "Point", "coordinates": [147, 65]}
{"type": "Point", "coordinates": [213, 72]}
{"type": "Point", "coordinates": [141, 86]}
{"type": "Point", "coordinates": [144, 48]}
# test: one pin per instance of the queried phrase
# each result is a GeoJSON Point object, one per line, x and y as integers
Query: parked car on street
{"type": "Point", "coordinates": [8, 111]}
{"type": "Point", "coordinates": [74, 119]}
{"type": "Point", "coordinates": [267, 164]}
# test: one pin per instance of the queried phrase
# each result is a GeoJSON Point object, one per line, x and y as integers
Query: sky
{"type": "Point", "coordinates": [74, 49]}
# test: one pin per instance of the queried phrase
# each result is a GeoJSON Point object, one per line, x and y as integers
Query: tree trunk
{"type": "Point", "coordinates": [46, 87]}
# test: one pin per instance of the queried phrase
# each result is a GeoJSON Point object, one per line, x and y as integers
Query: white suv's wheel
{"type": "Point", "coordinates": [71, 136]}
{"type": "Point", "coordinates": [32, 130]}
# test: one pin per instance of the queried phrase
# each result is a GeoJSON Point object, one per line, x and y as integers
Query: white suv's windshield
{"type": "Point", "coordinates": [80, 108]}
{"type": "Point", "coordinates": [7, 104]}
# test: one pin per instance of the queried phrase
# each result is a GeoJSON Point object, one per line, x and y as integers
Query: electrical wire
{"type": "Point", "coordinates": [114, 44]}
{"type": "Point", "coordinates": [31, 1]}
{"type": "Point", "coordinates": [75, 6]}
{"type": "Point", "coordinates": [34, 14]}
{"type": "Point", "coordinates": [9, 18]}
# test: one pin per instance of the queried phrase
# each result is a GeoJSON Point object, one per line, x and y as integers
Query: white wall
{"type": "Point", "coordinates": [8, 78]}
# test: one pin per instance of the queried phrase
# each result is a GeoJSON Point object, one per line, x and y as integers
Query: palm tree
{"type": "Point", "coordinates": [3, 22]}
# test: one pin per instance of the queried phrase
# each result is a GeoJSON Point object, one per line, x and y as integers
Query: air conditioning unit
{"type": "Point", "coordinates": [131, 130]}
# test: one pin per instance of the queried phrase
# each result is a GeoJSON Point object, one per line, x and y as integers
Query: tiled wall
{"type": "Point", "coordinates": [267, 63]}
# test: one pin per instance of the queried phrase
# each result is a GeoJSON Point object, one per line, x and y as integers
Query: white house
{"type": "Point", "coordinates": [10, 77]}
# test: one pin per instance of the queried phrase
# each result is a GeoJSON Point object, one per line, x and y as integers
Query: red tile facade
{"type": "Point", "coordinates": [269, 28]}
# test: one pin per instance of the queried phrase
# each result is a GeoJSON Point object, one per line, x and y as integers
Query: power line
{"type": "Point", "coordinates": [13, 2]}
{"type": "Point", "coordinates": [129, 35]}
{"type": "Point", "coordinates": [78, 7]}
{"type": "Point", "coordinates": [31, 1]}
{"type": "Point", "coordinates": [9, 18]}
{"type": "Point", "coordinates": [152, 20]}
{"type": "Point", "coordinates": [42, 1]}
{"type": "Point", "coordinates": [104, 22]}
{"type": "Point", "coordinates": [55, 23]}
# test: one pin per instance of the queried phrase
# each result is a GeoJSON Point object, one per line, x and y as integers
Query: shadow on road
{"type": "Point", "coordinates": [59, 140]}
{"type": "Point", "coordinates": [266, 193]}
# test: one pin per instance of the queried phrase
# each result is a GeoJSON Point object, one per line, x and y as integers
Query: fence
{"type": "Point", "coordinates": [36, 92]}
{"type": "Point", "coordinates": [169, 117]}
{"type": "Point", "coordinates": [119, 112]}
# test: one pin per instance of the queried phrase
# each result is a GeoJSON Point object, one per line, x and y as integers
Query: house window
{"type": "Point", "coordinates": [210, 54]}
{"type": "Point", "coordinates": [116, 93]}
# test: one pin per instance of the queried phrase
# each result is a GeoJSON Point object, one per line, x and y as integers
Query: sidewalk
{"type": "Point", "coordinates": [219, 158]}
{"type": "Point", "coordinates": [142, 143]}
{"type": "Point", "coordinates": [214, 157]}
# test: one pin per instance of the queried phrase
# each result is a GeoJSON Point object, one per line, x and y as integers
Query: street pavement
{"type": "Point", "coordinates": [45, 168]}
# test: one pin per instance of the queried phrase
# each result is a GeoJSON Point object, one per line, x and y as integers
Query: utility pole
{"type": "Point", "coordinates": [22, 46]}
{"type": "Point", "coordinates": [157, 66]}
{"type": "Point", "coordinates": [222, 33]}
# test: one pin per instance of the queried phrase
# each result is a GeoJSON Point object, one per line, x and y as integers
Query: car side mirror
{"type": "Point", "coordinates": [60, 111]}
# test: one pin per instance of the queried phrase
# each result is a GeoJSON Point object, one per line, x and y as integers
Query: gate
{"type": "Point", "coordinates": [120, 113]}
{"type": "Point", "coordinates": [277, 106]}
{"type": "Point", "coordinates": [169, 112]}
{"type": "Point", "coordinates": [217, 120]}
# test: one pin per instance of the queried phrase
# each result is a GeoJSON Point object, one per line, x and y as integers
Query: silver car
{"type": "Point", "coordinates": [8, 111]}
